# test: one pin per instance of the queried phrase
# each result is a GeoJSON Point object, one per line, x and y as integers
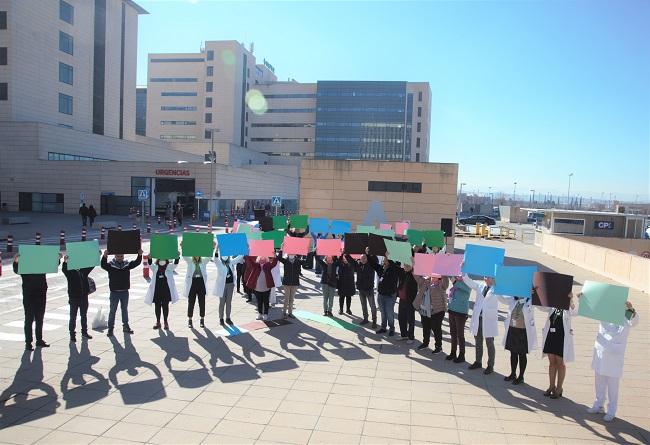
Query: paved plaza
{"type": "Point", "coordinates": [303, 382]}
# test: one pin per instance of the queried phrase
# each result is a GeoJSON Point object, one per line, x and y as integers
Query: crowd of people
{"type": "Point", "coordinates": [380, 284]}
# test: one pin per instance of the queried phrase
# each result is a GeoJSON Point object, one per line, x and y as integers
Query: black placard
{"type": "Point", "coordinates": [447, 226]}
{"type": "Point", "coordinates": [259, 214]}
{"type": "Point", "coordinates": [266, 224]}
{"type": "Point", "coordinates": [355, 243]}
{"type": "Point", "coordinates": [377, 245]}
{"type": "Point", "coordinates": [552, 289]}
{"type": "Point", "coordinates": [123, 242]}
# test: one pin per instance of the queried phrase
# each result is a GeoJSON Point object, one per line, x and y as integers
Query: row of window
{"type": "Point", "coordinates": [178, 59]}
{"type": "Point", "coordinates": [335, 93]}
{"type": "Point", "coordinates": [289, 125]}
{"type": "Point", "coordinates": [177, 122]}
{"type": "Point", "coordinates": [290, 96]}
{"type": "Point", "coordinates": [291, 110]}
{"type": "Point", "coordinates": [282, 140]}
{"type": "Point", "coordinates": [40, 202]}
{"type": "Point", "coordinates": [362, 109]}
{"type": "Point", "coordinates": [173, 79]}
{"type": "Point", "coordinates": [372, 140]}
{"type": "Point", "coordinates": [178, 93]}
{"type": "Point", "coordinates": [177, 136]}
{"type": "Point", "coordinates": [53, 156]}
{"type": "Point", "coordinates": [388, 186]}
{"type": "Point", "coordinates": [177, 108]}
{"type": "Point", "coordinates": [66, 74]}
{"type": "Point", "coordinates": [360, 124]}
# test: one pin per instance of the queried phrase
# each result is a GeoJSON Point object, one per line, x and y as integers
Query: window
{"type": "Point", "coordinates": [65, 73]}
{"type": "Point", "coordinates": [177, 122]}
{"type": "Point", "coordinates": [177, 136]}
{"type": "Point", "coordinates": [53, 156]}
{"type": "Point", "coordinates": [40, 202]}
{"type": "Point", "coordinates": [396, 187]}
{"type": "Point", "coordinates": [419, 111]}
{"type": "Point", "coordinates": [296, 125]}
{"type": "Point", "coordinates": [177, 108]}
{"type": "Point", "coordinates": [419, 127]}
{"type": "Point", "coordinates": [3, 91]}
{"type": "Point", "coordinates": [282, 139]}
{"type": "Point", "coordinates": [246, 131]}
{"type": "Point", "coordinates": [248, 72]}
{"type": "Point", "coordinates": [247, 116]}
{"type": "Point", "coordinates": [3, 19]}
{"type": "Point", "coordinates": [178, 93]}
{"type": "Point", "coordinates": [208, 87]}
{"type": "Point", "coordinates": [419, 96]}
{"type": "Point", "coordinates": [417, 157]}
{"type": "Point", "coordinates": [208, 102]}
{"type": "Point", "coordinates": [173, 79]}
{"type": "Point", "coordinates": [290, 96]}
{"type": "Point", "coordinates": [3, 55]}
{"type": "Point", "coordinates": [178, 59]}
{"type": "Point", "coordinates": [208, 134]}
{"type": "Point", "coordinates": [210, 54]}
{"type": "Point", "coordinates": [66, 43]}
{"type": "Point", "coordinates": [66, 12]}
{"type": "Point", "coordinates": [209, 71]}
{"type": "Point", "coordinates": [208, 118]}
{"type": "Point", "coordinates": [247, 86]}
{"type": "Point", "coordinates": [291, 110]}
{"type": "Point", "coordinates": [65, 104]}
{"type": "Point", "coordinates": [417, 142]}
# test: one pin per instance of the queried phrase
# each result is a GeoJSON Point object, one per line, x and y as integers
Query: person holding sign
{"type": "Point", "coordinates": [78, 291]}
{"type": "Point", "coordinates": [388, 273]}
{"type": "Point", "coordinates": [329, 280]}
{"type": "Point", "coordinates": [162, 289]}
{"type": "Point", "coordinates": [224, 284]}
{"type": "Point", "coordinates": [34, 292]}
{"type": "Point", "coordinates": [407, 290]}
{"type": "Point", "coordinates": [366, 286]}
{"type": "Point", "coordinates": [119, 283]}
{"type": "Point", "coordinates": [196, 279]}
{"type": "Point", "coordinates": [261, 281]}
{"type": "Point", "coordinates": [345, 285]}
{"type": "Point", "coordinates": [608, 359]}
{"type": "Point", "coordinates": [433, 290]}
{"type": "Point", "coordinates": [290, 281]}
{"type": "Point", "coordinates": [484, 322]}
{"type": "Point", "coordinates": [520, 337]}
{"type": "Point", "coordinates": [458, 308]}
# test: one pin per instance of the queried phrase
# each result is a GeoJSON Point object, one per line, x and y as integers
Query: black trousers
{"type": "Point", "coordinates": [165, 310]}
{"type": "Point", "coordinates": [457, 332]}
{"type": "Point", "coordinates": [34, 307]}
{"type": "Point", "coordinates": [240, 276]}
{"type": "Point", "coordinates": [196, 291]}
{"type": "Point", "coordinates": [433, 323]}
{"type": "Point", "coordinates": [78, 304]}
{"type": "Point", "coordinates": [406, 318]}
{"type": "Point", "coordinates": [347, 300]}
{"type": "Point", "coordinates": [263, 301]}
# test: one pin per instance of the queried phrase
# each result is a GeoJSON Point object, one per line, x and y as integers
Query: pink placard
{"type": "Point", "coordinates": [261, 247]}
{"type": "Point", "coordinates": [447, 264]}
{"type": "Point", "coordinates": [234, 226]}
{"type": "Point", "coordinates": [356, 256]}
{"type": "Point", "coordinates": [401, 227]}
{"type": "Point", "coordinates": [423, 264]}
{"type": "Point", "coordinates": [295, 246]}
{"type": "Point", "coordinates": [329, 247]}
{"type": "Point", "coordinates": [383, 226]}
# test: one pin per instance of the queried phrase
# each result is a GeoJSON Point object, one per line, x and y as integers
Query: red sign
{"type": "Point", "coordinates": [171, 172]}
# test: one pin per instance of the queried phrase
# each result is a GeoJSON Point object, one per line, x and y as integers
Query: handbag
{"type": "Point", "coordinates": [99, 322]}
{"type": "Point", "coordinates": [91, 286]}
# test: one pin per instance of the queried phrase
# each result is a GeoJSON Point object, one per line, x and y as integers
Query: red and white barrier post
{"type": "Point", "coordinates": [62, 240]}
{"type": "Point", "coordinates": [84, 233]}
{"type": "Point", "coordinates": [10, 243]}
{"type": "Point", "coordinates": [102, 233]}
{"type": "Point", "coordinates": [145, 266]}
{"type": "Point", "coordinates": [38, 239]}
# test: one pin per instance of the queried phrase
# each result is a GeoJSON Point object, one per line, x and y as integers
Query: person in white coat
{"type": "Point", "coordinates": [224, 284]}
{"type": "Point", "coordinates": [277, 283]}
{"type": "Point", "coordinates": [557, 338]}
{"type": "Point", "coordinates": [196, 285]}
{"type": "Point", "coordinates": [608, 359]}
{"type": "Point", "coordinates": [520, 335]}
{"type": "Point", "coordinates": [162, 289]}
{"type": "Point", "coordinates": [484, 322]}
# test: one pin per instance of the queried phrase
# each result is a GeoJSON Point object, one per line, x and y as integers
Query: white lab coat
{"type": "Point", "coordinates": [277, 281]}
{"type": "Point", "coordinates": [169, 274]}
{"type": "Point", "coordinates": [529, 321]}
{"type": "Point", "coordinates": [609, 348]}
{"type": "Point", "coordinates": [487, 306]}
{"type": "Point", "coordinates": [222, 273]}
{"type": "Point", "coordinates": [568, 352]}
{"type": "Point", "coordinates": [190, 273]}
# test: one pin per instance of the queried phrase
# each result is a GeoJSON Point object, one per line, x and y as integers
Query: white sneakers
{"type": "Point", "coordinates": [265, 317]}
{"type": "Point", "coordinates": [259, 316]}
{"type": "Point", "coordinates": [595, 409]}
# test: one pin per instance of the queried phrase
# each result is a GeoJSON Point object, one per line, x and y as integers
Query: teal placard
{"type": "Point", "coordinates": [399, 251]}
{"type": "Point", "coordinates": [256, 236]}
{"type": "Point", "coordinates": [244, 228]}
{"type": "Point", "coordinates": [276, 235]}
{"type": "Point", "coordinates": [298, 221]}
{"type": "Point", "coordinates": [198, 244]}
{"type": "Point", "coordinates": [434, 238]}
{"type": "Point", "coordinates": [38, 259]}
{"type": "Point", "coordinates": [366, 229]}
{"type": "Point", "coordinates": [164, 247]}
{"type": "Point", "coordinates": [604, 302]}
{"type": "Point", "coordinates": [82, 254]}
{"type": "Point", "coordinates": [384, 232]}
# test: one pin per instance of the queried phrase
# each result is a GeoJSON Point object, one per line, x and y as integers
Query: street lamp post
{"type": "Point", "coordinates": [568, 193]}
{"type": "Point", "coordinates": [532, 199]}
{"type": "Point", "coordinates": [460, 195]}
{"type": "Point", "coordinates": [514, 193]}
{"type": "Point", "coordinates": [212, 158]}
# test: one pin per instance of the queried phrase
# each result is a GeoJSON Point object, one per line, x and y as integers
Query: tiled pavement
{"type": "Point", "coordinates": [298, 383]}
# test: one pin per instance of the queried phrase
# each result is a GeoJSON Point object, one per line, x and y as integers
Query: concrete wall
{"type": "Point", "coordinates": [339, 189]}
{"type": "Point", "coordinates": [628, 245]}
{"type": "Point", "coordinates": [630, 270]}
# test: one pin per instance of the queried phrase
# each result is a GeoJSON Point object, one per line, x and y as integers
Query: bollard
{"type": "Point", "coordinates": [157, 231]}
{"type": "Point", "coordinates": [62, 240]}
{"type": "Point", "coordinates": [83, 234]}
{"type": "Point", "coordinates": [184, 228]}
{"type": "Point", "coordinates": [193, 216]}
{"type": "Point", "coordinates": [169, 227]}
{"type": "Point", "coordinates": [134, 226]}
{"type": "Point", "coordinates": [146, 215]}
{"type": "Point", "coordinates": [148, 227]}
{"type": "Point", "coordinates": [175, 223]}
{"type": "Point", "coordinates": [38, 239]}
{"type": "Point", "coordinates": [137, 214]}
{"type": "Point", "coordinates": [158, 219]}
{"type": "Point", "coordinates": [197, 229]}
{"type": "Point", "coordinates": [119, 227]}
{"type": "Point", "coordinates": [0, 263]}
{"type": "Point", "coordinates": [102, 233]}
{"type": "Point", "coordinates": [10, 243]}
{"type": "Point", "coordinates": [145, 266]}
{"type": "Point", "coordinates": [171, 230]}
{"type": "Point", "coordinates": [209, 227]}
{"type": "Point", "coordinates": [227, 226]}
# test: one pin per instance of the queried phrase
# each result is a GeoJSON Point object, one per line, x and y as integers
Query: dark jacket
{"type": "Point", "coordinates": [119, 275]}
{"type": "Point", "coordinates": [324, 277]}
{"type": "Point", "coordinates": [388, 278]}
{"type": "Point", "coordinates": [406, 279]}
{"type": "Point", "coordinates": [366, 274]}
{"type": "Point", "coordinates": [83, 210]}
{"type": "Point", "coordinates": [346, 278]}
{"type": "Point", "coordinates": [291, 275]}
{"type": "Point", "coordinates": [92, 213]}
{"type": "Point", "coordinates": [77, 280]}
{"type": "Point", "coordinates": [34, 284]}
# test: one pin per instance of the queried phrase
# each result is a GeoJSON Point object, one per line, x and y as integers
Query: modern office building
{"type": "Point", "coordinates": [223, 88]}
{"type": "Point", "coordinates": [141, 111]}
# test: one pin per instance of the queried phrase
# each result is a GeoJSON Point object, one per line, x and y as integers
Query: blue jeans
{"type": "Point", "coordinates": [386, 305]}
{"type": "Point", "coordinates": [121, 297]}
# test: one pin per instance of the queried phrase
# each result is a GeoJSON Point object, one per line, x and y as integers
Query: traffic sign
{"type": "Point", "coordinates": [276, 201]}
{"type": "Point", "coordinates": [198, 194]}
{"type": "Point", "coordinates": [143, 194]}
{"type": "Point", "coordinates": [82, 196]}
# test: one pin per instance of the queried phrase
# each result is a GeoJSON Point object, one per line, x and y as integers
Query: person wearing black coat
{"type": "Point", "coordinates": [389, 273]}
{"type": "Point", "coordinates": [407, 290]}
{"type": "Point", "coordinates": [34, 292]}
{"type": "Point", "coordinates": [92, 214]}
{"type": "Point", "coordinates": [78, 290]}
{"type": "Point", "coordinates": [329, 280]}
{"type": "Point", "coordinates": [345, 285]}
{"type": "Point", "coordinates": [366, 286]}
{"type": "Point", "coordinates": [119, 283]}
{"type": "Point", "coordinates": [83, 211]}
{"type": "Point", "coordinates": [290, 281]}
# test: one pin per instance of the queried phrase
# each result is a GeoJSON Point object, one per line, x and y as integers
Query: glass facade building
{"type": "Point", "coordinates": [141, 111]}
{"type": "Point", "coordinates": [363, 120]}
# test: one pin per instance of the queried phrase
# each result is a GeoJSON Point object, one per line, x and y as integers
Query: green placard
{"type": "Point", "coordinates": [276, 235]}
{"type": "Point", "coordinates": [415, 237]}
{"type": "Point", "coordinates": [280, 222]}
{"type": "Point", "coordinates": [82, 254]}
{"type": "Point", "coordinates": [298, 221]}
{"type": "Point", "coordinates": [164, 247]}
{"type": "Point", "coordinates": [38, 259]}
{"type": "Point", "coordinates": [434, 238]}
{"type": "Point", "coordinates": [604, 302]}
{"type": "Point", "coordinates": [198, 244]}
{"type": "Point", "coordinates": [399, 251]}
{"type": "Point", "coordinates": [366, 229]}
{"type": "Point", "coordinates": [254, 235]}
{"type": "Point", "coordinates": [384, 232]}
{"type": "Point", "coordinates": [244, 228]}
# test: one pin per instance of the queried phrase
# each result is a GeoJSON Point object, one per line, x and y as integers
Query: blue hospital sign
{"type": "Point", "coordinates": [143, 194]}
{"type": "Point", "coordinates": [276, 201]}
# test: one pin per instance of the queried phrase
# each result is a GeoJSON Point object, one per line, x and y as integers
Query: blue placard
{"type": "Point", "coordinates": [319, 225]}
{"type": "Point", "coordinates": [341, 227]}
{"type": "Point", "coordinates": [232, 244]}
{"type": "Point", "coordinates": [514, 281]}
{"type": "Point", "coordinates": [480, 260]}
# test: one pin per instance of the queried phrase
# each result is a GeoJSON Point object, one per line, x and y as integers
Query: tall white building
{"type": "Point", "coordinates": [89, 84]}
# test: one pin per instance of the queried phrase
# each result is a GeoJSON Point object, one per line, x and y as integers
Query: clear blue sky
{"type": "Point", "coordinates": [525, 91]}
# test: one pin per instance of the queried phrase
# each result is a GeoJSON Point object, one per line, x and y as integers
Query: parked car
{"type": "Point", "coordinates": [477, 219]}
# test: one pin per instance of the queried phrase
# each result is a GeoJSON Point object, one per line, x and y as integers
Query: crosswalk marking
{"type": "Point", "coordinates": [20, 324]}
{"type": "Point", "coordinates": [55, 316]}
{"type": "Point", "coordinates": [12, 337]}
